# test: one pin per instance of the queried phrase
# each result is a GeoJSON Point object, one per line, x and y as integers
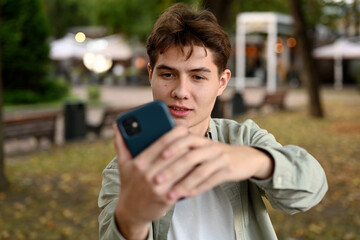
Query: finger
{"type": "Point", "coordinates": [122, 151]}
{"type": "Point", "coordinates": [202, 175]}
{"type": "Point", "coordinates": [181, 168]}
{"type": "Point", "coordinates": [214, 180]}
{"type": "Point", "coordinates": [152, 154]}
{"type": "Point", "coordinates": [174, 151]}
{"type": "Point", "coordinates": [187, 143]}
{"type": "Point", "coordinates": [163, 163]}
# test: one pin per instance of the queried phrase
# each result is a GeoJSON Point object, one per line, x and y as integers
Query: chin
{"type": "Point", "coordinates": [181, 122]}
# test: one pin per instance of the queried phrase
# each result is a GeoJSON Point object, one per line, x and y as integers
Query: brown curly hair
{"type": "Point", "coordinates": [180, 26]}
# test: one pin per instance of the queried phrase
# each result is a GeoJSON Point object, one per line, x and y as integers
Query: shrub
{"type": "Point", "coordinates": [24, 36]}
{"type": "Point", "coordinates": [93, 93]}
{"type": "Point", "coordinates": [54, 90]}
{"type": "Point", "coordinates": [48, 91]}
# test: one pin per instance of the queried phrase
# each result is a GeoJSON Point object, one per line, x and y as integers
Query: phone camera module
{"type": "Point", "coordinates": [131, 126]}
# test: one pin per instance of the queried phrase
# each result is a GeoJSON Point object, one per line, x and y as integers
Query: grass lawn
{"type": "Point", "coordinates": [54, 193]}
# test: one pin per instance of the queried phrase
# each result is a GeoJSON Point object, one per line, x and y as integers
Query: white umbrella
{"type": "Point", "coordinates": [339, 50]}
{"type": "Point", "coordinates": [97, 54]}
{"type": "Point", "coordinates": [66, 48]}
{"type": "Point", "coordinates": [113, 47]}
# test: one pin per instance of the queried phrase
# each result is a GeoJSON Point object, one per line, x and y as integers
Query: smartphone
{"type": "Point", "coordinates": [143, 125]}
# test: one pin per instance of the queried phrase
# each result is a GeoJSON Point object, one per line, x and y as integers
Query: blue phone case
{"type": "Point", "coordinates": [147, 123]}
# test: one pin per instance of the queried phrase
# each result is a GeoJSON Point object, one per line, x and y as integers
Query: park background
{"type": "Point", "coordinates": [49, 189]}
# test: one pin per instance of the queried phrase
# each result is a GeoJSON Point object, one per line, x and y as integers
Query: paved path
{"type": "Point", "coordinates": [130, 96]}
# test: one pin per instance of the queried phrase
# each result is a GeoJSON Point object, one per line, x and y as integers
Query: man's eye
{"type": "Point", "coordinates": [167, 75]}
{"type": "Point", "coordinates": [198, 77]}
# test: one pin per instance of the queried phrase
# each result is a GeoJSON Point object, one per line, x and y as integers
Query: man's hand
{"type": "Point", "coordinates": [178, 165]}
{"type": "Point", "coordinates": [209, 164]}
{"type": "Point", "coordinates": [141, 200]}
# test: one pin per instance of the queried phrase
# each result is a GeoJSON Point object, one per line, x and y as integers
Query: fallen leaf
{"type": "Point", "coordinates": [34, 235]}
{"type": "Point", "coordinates": [19, 206]}
{"type": "Point", "coordinates": [66, 177]}
{"type": "Point", "coordinates": [42, 220]}
{"type": "Point", "coordinates": [67, 213]}
{"type": "Point", "coordinates": [66, 231]}
{"type": "Point", "coordinates": [51, 224]}
{"type": "Point", "coordinates": [2, 196]}
{"type": "Point", "coordinates": [316, 228]}
{"type": "Point", "coordinates": [46, 187]}
{"type": "Point", "coordinates": [53, 204]}
{"type": "Point", "coordinates": [19, 235]}
{"type": "Point", "coordinates": [18, 215]}
{"type": "Point", "coordinates": [5, 235]}
{"type": "Point", "coordinates": [349, 236]}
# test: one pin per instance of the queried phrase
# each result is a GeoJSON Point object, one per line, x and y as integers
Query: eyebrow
{"type": "Point", "coordinates": [165, 67]}
{"type": "Point", "coordinates": [201, 69]}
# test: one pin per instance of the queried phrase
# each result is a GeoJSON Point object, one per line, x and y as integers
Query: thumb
{"type": "Point", "coordinates": [122, 151]}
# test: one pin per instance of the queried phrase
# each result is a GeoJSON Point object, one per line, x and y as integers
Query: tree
{"type": "Point", "coordinates": [63, 14]}
{"type": "Point", "coordinates": [221, 9]}
{"type": "Point", "coordinates": [132, 18]}
{"type": "Point", "coordinates": [24, 33]}
{"type": "Point", "coordinates": [25, 54]}
{"type": "Point", "coordinates": [4, 184]}
{"type": "Point", "coordinates": [310, 73]}
{"type": "Point", "coordinates": [355, 8]}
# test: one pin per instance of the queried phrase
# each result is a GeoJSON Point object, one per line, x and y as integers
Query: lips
{"type": "Point", "coordinates": [179, 111]}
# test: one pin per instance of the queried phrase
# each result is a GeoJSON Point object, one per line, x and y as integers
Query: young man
{"type": "Point", "coordinates": [220, 167]}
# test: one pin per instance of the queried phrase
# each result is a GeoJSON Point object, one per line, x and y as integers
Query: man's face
{"type": "Point", "coordinates": [188, 86]}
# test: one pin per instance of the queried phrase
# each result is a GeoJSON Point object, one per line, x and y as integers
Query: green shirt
{"type": "Point", "coordinates": [298, 183]}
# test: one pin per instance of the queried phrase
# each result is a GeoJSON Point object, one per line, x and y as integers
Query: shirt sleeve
{"type": "Point", "coordinates": [108, 197]}
{"type": "Point", "coordinates": [298, 182]}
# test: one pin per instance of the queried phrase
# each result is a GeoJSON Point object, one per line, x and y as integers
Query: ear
{"type": "Point", "coordinates": [224, 80]}
{"type": "Point", "coordinates": [149, 71]}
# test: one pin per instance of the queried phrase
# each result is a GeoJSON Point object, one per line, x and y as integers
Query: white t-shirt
{"type": "Point", "coordinates": [204, 217]}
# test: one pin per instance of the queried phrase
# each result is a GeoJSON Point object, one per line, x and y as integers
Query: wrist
{"type": "Point", "coordinates": [130, 228]}
{"type": "Point", "coordinates": [265, 164]}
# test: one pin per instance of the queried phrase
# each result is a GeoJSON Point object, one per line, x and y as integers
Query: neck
{"type": "Point", "coordinates": [200, 130]}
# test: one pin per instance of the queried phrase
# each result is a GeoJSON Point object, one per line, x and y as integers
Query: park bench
{"type": "Point", "coordinates": [275, 100]}
{"type": "Point", "coordinates": [38, 125]}
{"type": "Point", "coordinates": [108, 118]}
{"type": "Point", "coordinates": [224, 104]}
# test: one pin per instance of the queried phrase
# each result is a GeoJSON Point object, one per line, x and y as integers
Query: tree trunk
{"type": "Point", "coordinates": [310, 72]}
{"type": "Point", "coordinates": [357, 17]}
{"type": "Point", "coordinates": [347, 22]}
{"type": "Point", "coordinates": [4, 184]}
{"type": "Point", "coordinates": [220, 9]}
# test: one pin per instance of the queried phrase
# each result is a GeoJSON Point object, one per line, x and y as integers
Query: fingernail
{"type": "Point", "coordinates": [166, 154]}
{"type": "Point", "coordinates": [173, 195]}
{"type": "Point", "coordinates": [160, 178]}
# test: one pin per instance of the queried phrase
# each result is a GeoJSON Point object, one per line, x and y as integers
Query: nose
{"type": "Point", "coordinates": [181, 89]}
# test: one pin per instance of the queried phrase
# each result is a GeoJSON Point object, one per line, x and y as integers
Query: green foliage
{"type": "Point", "coordinates": [54, 89]}
{"type": "Point", "coordinates": [24, 33]}
{"type": "Point", "coordinates": [132, 18]}
{"type": "Point", "coordinates": [312, 9]}
{"type": "Point", "coordinates": [281, 6]}
{"type": "Point", "coordinates": [47, 91]}
{"type": "Point", "coordinates": [136, 17]}
{"type": "Point", "coordinates": [63, 14]}
{"type": "Point", "coordinates": [129, 17]}
{"type": "Point", "coordinates": [20, 97]}
{"type": "Point", "coordinates": [93, 93]}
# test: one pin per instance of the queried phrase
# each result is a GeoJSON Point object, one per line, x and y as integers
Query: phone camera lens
{"type": "Point", "coordinates": [131, 126]}
{"type": "Point", "coordinates": [135, 124]}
